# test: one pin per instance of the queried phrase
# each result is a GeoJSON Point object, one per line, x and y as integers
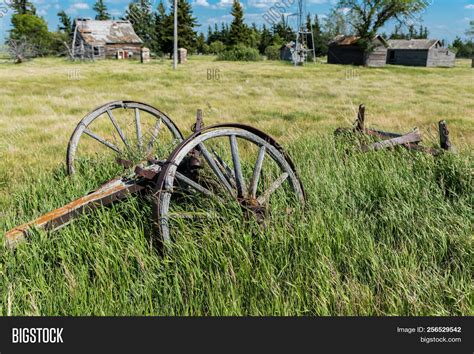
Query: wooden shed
{"type": "Point", "coordinates": [347, 50]}
{"type": "Point", "coordinates": [109, 39]}
{"type": "Point", "coordinates": [419, 52]}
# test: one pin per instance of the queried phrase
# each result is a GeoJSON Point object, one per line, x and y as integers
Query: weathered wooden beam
{"type": "Point", "coordinates": [112, 191]}
{"type": "Point", "coordinates": [444, 141]}
{"type": "Point", "coordinates": [413, 137]}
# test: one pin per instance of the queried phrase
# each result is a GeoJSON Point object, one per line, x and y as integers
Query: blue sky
{"type": "Point", "coordinates": [445, 19]}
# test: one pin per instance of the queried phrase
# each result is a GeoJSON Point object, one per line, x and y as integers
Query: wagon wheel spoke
{"type": "Point", "coordinates": [256, 172]}
{"type": "Point", "coordinates": [154, 135]}
{"type": "Point", "coordinates": [102, 140]}
{"type": "Point", "coordinates": [239, 178]}
{"type": "Point", "coordinates": [225, 169]}
{"type": "Point", "coordinates": [182, 178]}
{"type": "Point", "coordinates": [217, 171]}
{"type": "Point", "coordinates": [117, 127]}
{"type": "Point", "coordinates": [138, 127]}
{"type": "Point", "coordinates": [265, 197]}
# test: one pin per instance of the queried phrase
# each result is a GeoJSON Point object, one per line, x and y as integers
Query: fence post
{"type": "Point", "coordinates": [444, 141]}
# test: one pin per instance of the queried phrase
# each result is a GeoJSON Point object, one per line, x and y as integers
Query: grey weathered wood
{"type": "Point", "coordinates": [117, 128]}
{"type": "Point", "coordinates": [264, 198]}
{"type": "Point", "coordinates": [212, 163]}
{"type": "Point", "coordinates": [154, 135]}
{"type": "Point", "coordinates": [138, 126]}
{"type": "Point", "coordinates": [412, 137]}
{"type": "Point", "coordinates": [360, 119]}
{"type": "Point", "coordinates": [101, 140]}
{"type": "Point", "coordinates": [228, 173]}
{"type": "Point", "coordinates": [444, 141]}
{"type": "Point", "coordinates": [239, 178]}
{"type": "Point", "coordinates": [194, 185]}
{"type": "Point", "coordinates": [257, 171]}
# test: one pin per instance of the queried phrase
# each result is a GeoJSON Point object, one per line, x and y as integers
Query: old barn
{"type": "Point", "coordinates": [347, 50]}
{"type": "Point", "coordinates": [419, 52]}
{"type": "Point", "coordinates": [105, 40]}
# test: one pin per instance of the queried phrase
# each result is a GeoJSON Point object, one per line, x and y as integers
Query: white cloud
{"type": "Point", "coordinates": [225, 3]}
{"type": "Point", "coordinates": [469, 7]}
{"type": "Point", "coordinates": [203, 3]}
{"type": "Point", "coordinates": [77, 6]}
{"type": "Point", "coordinates": [318, 2]}
{"type": "Point", "coordinates": [260, 4]}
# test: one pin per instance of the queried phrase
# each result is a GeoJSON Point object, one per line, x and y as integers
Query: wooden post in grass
{"type": "Point", "coordinates": [444, 141]}
{"type": "Point", "coordinates": [360, 119]}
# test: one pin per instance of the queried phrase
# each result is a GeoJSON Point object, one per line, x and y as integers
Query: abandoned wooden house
{"type": "Point", "coordinates": [347, 50]}
{"type": "Point", "coordinates": [419, 52]}
{"type": "Point", "coordinates": [112, 39]}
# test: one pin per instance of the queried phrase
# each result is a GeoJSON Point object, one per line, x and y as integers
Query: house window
{"type": "Point", "coordinates": [97, 51]}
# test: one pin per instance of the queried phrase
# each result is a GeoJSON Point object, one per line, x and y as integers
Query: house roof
{"type": "Point", "coordinates": [412, 43]}
{"type": "Point", "coordinates": [343, 40]}
{"type": "Point", "coordinates": [107, 32]}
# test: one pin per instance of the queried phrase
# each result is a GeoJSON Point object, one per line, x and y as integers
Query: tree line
{"type": "Point", "coordinates": [155, 27]}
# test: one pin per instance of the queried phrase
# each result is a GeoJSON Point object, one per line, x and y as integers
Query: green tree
{"type": "Point", "coordinates": [266, 39]}
{"type": "Point", "coordinates": [187, 36]}
{"type": "Point", "coordinates": [239, 31]}
{"type": "Point", "coordinates": [368, 16]}
{"type": "Point", "coordinates": [101, 9]}
{"type": "Point", "coordinates": [65, 24]}
{"type": "Point", "coordinates": [284, 31]}
{"type": "Point", "coordinates": [470, 31]}
{"type": "Point", "coordinates": [139, 13]}
{"type": "Point", "coordinates": [337, 23]}
{"type": "Point", "coordinates": [161, 32]}
{"type": "Point", "coordinates": [34, 29]}
{"type": "Point", "coordinates": [23, 7]}
{"type": "Point", "coordinates": [200, 43]}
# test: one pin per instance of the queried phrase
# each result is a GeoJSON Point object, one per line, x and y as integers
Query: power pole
{"type": "Point", "coordinates": [175, 48]}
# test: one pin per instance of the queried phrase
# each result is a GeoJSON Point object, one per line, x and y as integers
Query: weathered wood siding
{"type": "Point", "coordinates": [354, 55]}
{"type": "Point", "coordinates": [112, 49]}
{"type": "Point", "coordinates": [378, 58]}
{"type": "Point", "coordinates": [347, 54]}
{"type": "Point", "coordinates": [441, 57]}
{"type": "Point", "coordinates": [409, 57]}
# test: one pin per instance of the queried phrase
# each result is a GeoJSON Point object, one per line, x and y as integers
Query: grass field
{"type": "Point", "coordinates": [384, 233]}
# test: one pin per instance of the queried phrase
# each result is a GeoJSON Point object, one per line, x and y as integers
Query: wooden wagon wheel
{"type": "Point", "coordinates": [238, 163]}
{"type": "Point", "coordinates": [125, 132]}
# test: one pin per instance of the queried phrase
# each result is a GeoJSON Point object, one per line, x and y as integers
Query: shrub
{"type": "Point", "coordinates": [216, 47]}
{"type": "Point", "coordinates": [240, 53]}
{"type": "Point", "coordinates": [272, 52]}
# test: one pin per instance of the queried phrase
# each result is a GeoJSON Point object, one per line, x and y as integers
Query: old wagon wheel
{"type": "Point", "coordinates": [237, 163]}
{"type": "Point", "coordinates": [122, 132]}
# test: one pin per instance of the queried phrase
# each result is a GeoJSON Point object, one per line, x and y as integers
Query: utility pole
{"type": "Point", "coordinates": [175, 48]}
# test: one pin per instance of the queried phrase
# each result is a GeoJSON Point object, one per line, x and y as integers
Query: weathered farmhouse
{"type": "Point", "coordinates": [347, 50]}
{"type": "Point", "coordinates": [105, 40]}
{"type": "Point", "coordinates": [419, 52]}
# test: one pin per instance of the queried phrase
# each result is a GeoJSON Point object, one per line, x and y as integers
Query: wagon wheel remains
{"type": "Point", "coordinates": [241, 168]}
{"type": "Point", "coordinates": [121, 132]}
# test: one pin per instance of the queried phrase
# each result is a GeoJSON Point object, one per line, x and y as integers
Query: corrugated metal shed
{"type": "Point", "coordinates": [413, 43]}
{"type": "Point", "coordinates": [96, 32]}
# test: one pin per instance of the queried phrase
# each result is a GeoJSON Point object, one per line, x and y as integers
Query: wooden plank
{"type": "Point", "coordinates": [412, 137]}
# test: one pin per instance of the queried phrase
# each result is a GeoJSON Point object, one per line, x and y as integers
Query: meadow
{"type": "Point", "coordinates": [383, 233]}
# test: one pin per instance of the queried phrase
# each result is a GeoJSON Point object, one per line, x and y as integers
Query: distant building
{"type": "Point", "coordinates": [419, 52]}
{"type": "Point", "coordinates": [105, 40]}
{"type": "Point", "coordinates": [347, 50]}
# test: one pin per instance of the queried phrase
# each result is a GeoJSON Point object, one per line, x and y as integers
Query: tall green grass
{"type": "Point", "coordinates": [384, 233]}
